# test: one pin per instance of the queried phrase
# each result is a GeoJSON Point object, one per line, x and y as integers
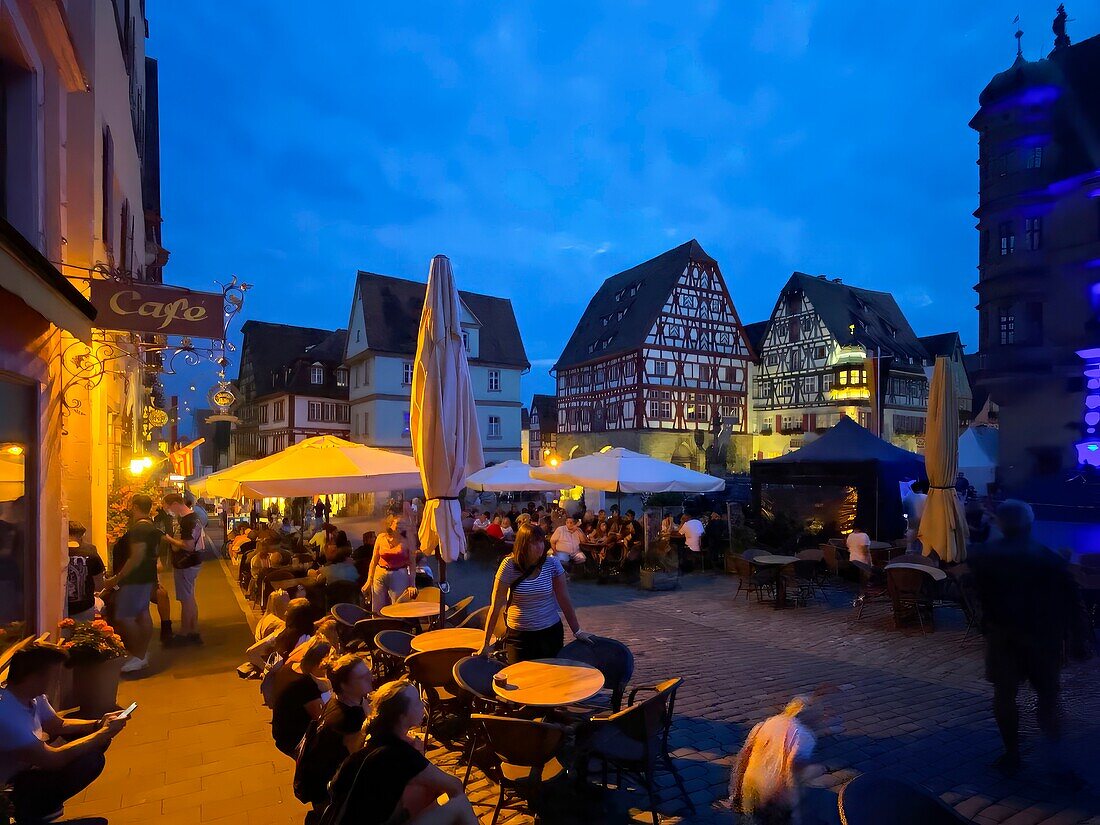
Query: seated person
{"type": "Point", "coordinates": [859, 546]}
{"type": "Point", "coordinates": [366, 549]}
{"type": "Point", "coordinates": [389, 780]}
{"type": "Point", "coordinates": [340, 729]}
{"type": "Point", "coordinates": [286, 528]}
{"type": "Point", "coordinates": [300, 698]}
{"type": "Point", "coordinates": [43, 776]}
{"type": "Point", "coordinates": [495, 530]}
{"type": "Point", "coordinates": [481, 522]}
{"type": "Point", "coordinates": [274, 618]}
{"type": "Point", "coordinates": [508, 533]}
{"type": "Point", "coordinates": [565, 543]}
{"type": "Point", "coordinates": [467, 521]}
{"type": "Point", "coordinates": [339, 568]}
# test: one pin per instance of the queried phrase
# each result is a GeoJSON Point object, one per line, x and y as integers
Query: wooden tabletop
{"type": "Point", "coordinates": [548, 682]}
{"type": "Point", "coordinates": [934, 572]}
{"type": "Point", "coordinates": [456, 638]}
{"type": "Point", "coordinates": [774, 560]}
{"type": "Point", "coordinates": [411, 610]}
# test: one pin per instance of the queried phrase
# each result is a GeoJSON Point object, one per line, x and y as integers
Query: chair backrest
{"type": "Point", "coordinates": [435, 668]}
{"type": "Point", "coordinates": [341, 592]}
{"type": "Point", "coordinates": [752, 553]}
{"type": "Point", "coordinates": [367, 629]}
{"type": "Point", "coordinates": [812, 554]}
{"type": "Point", "coordinates": [457, 613]}
{"type": "Point", "coordinates": [474, 674]}
{"type": "Point", "coordinates": [828, 553]}
{"type": "Point", "coordinates": [874, 799]}
{"type": "Point", "coordinates": [610, 657]}
{"type": "Point", "coordinates": [428, 594]}
{"type": "Point", "coordinates": [741, 566]}
{"type": "Point", "coordinates": [907, 583]}
{"type": "Point", "coordinates": [806, 568]}
{"type": "Point", "coordinates": [348, 614]}
{"type": "Point", "coordinates": [865, 571]}
{"type": "Point", "coordinates": [521, 742]}
{"type": "Point", "coordinates": [477, 618]}
{"type": "Point", "coordinates": [650, 720]}
{"type": "Point", "coordinates": [396, 643]}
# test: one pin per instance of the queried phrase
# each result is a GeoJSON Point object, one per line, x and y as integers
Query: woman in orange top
{"type": "Point", "coordinates": [391, 567]}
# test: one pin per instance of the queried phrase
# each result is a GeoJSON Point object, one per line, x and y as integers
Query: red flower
{"type": "Point", "coordinates": [65, 624]}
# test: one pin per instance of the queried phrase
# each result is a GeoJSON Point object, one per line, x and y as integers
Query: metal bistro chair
{"type": "Point", "coordinates": [874, 800]}
{"type": "Point", "coordinates": [871, 588]}
{"type": "Point", "coordinates": [612, 659]}
{"type": "Point", "coordinates": [912, 592]}
{"type": "Point", "coordinates": [364, 631]}
{"type": "Point", "coordinates": [520, 756]}
{"type": "Point", "coordinates": [476, 619]}
{"type": "Point", "coordinates": [392, 648]}
{"type": "Point", "coordinates": [457, 613]}
{"type": "Point", "coordinates": [749, 580]}
{"type": "Point", "coordinates": [433, 671]}
{"type": "Point", "coordinates": [474, 677]}
{"type": "Point", "coordinates": [634, 741]}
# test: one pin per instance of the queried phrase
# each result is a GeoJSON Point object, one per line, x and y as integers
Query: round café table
{"type": "Point", "coordinates": [777, 563]}
{"type": "Point", "coordinates": [548, 682]}
{"type": "Point", "coordinates": [455, 638]}
{"type": "Point", "coordinates": [935, 572]}
{"type": "Point", "coordinates": [411, 610]}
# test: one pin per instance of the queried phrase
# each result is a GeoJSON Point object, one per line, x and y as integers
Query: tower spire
{"type": "Point", "coordinates": [1061, 39]}
{"type": "Point", "coordinates": [1019, 39]}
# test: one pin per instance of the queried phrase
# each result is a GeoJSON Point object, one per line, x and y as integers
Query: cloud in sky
{"type": "Point", "coordinates": [547, 146]}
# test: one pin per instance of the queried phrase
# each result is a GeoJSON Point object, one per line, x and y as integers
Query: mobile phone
{"type": "Point", "coordinates": [126, 713]}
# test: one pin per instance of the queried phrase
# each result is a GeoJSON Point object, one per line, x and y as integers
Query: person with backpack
{"type": "Point", "coordinates": [135, 580]}
{"type": "Point", "coordinates": [337, 734]}
{"type": "Point", "coordinates": [389, 780]}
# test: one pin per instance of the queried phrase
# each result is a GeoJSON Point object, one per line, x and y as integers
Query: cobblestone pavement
{"type": "Point", "coordinates": [906, 704]}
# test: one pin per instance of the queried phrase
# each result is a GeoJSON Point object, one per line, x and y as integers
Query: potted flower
{"type": "Point", "coordinates": [96, 654]}
{"type": "Point", "coordinates": [660, 567]}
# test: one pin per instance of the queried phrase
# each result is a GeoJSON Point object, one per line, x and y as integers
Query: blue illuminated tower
{"type": "Point", "coordinates": [1039, 261]}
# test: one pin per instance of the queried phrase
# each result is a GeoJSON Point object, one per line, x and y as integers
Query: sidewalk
{"type": "Point", "coordinates": [198, 749]}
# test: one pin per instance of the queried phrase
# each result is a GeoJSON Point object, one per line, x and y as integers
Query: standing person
{"type": "Point", "coordinates": [44, 776]}
{"type": "Point", "coordinates": [766, 779]}
{"type": "Point", "coordinates": [186, 556]}
{"type": "Point", "coordinates": [85, 575]}
{"type": "Point", "coordinates": [530, 587]}
{"type": "Point", "coordinates": [389, 780]}
{"type": "Point", "coordinates": [137, 549]}
{"type": "Point", "coordinates": [391, 570]}
{"type": "Point", "coordinates": [1030, 605]}
{"type": "Point", "coordinates": [962, 486]}
{"type": "Point", "coordinates": [859, 545]}
{"type": "Point", "coordinates": [692, 531]}
{"type": "Point", "coordinates": [913, 506]}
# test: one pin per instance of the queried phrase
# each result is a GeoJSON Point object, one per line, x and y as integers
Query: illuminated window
{"type": "Point", "coordinates": [1034, 158]}
{"type": "Point", "coordinates": [843, 378]}
{"type": "Point", "coordinates": [1008, 326]}
{"type": "Point", "coordinates": [1008, 239]}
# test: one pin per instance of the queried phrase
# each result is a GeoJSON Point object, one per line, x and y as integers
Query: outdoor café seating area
{"type": "Point", "coordinates": [537, 729]}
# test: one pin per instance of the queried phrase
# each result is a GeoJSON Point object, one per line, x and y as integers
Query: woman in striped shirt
{"type": "Point", "coordinates": [531, 587]}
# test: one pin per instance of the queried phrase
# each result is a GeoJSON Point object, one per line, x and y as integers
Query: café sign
{"type": "Point", "coordinates": [165, 310]}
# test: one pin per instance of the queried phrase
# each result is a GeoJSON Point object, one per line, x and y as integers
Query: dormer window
{"type": "Point", "coordinates": [341, 377]}
{"type": "Point", "coordinates": [634, 288]}
{"type": "Point", "coordinates": [466, 341]}
{"type": "Point", "coordinates": [620, 294]}
{"type": "Point", "coordinates": [317, 374]}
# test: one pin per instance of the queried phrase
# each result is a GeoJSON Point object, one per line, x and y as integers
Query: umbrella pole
{"type": "Point", "coordinates": [442, 587]}
{"type": "Point", "coordinates": [328, 510]}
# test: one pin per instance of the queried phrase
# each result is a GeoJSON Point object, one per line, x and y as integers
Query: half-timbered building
{"type": "Point", "coordinates": [543, 432]}
{"type": "Point", "coordinates": [830, 350]}
{"type": "Point", "coordinates": [659, 363]}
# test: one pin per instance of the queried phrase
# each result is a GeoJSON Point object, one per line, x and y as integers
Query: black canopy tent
{"type": "Point", "coordinates": [848, 456]}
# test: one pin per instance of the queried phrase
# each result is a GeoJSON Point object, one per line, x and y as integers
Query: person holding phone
{"type": "Point", "coordinates": [44, 776]}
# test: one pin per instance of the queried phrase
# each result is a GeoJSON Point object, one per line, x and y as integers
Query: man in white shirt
{"type": "Point", "coordinates": [481, 522]}
{"type": "Point", "coordinates": [692, 531]}
{"type": "Point", "coordinates": [43, 776]}
{"type": "Point", "coordinates": [566, 542]}
{"type": "Point", "coordinates": [859, 546]}
{"type": "Point", "coordinates": [913, 505]}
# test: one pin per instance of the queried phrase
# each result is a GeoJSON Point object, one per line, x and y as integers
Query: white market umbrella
{"type": "Point", "coordinates": [943, 525]}
{"type": "Point", "coordinates": [327, 464]}
{"type": "Point", "coordinates": [443, 419]}
{"type": "Point", "coordinates": [619, 470]}
{"type": "Point", "coordinates": [221, 484]}
{"type": "Point", "coordinates": [508, 476]}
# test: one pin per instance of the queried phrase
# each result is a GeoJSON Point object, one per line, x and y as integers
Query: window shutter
{"type": "Point", "coordinates": [778, 423]}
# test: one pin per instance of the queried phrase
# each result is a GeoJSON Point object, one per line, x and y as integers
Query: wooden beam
{"type": "Point", "coordinates": [55, 25]}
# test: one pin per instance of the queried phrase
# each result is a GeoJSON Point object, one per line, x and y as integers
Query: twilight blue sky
{"type": "Point", "coordinates": [545, 146]}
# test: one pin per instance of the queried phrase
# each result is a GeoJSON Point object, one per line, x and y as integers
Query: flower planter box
{"type": "Point", "coordinates": [659, 580]}
{"type": "Point", "coordinates": [95, 686]}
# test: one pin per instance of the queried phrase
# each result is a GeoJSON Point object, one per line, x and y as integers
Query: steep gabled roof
{"type": "Point", "coordinates": [654, 279]}
{"type": "Point", "coordinates": [879, 321]}
{"type": "Point", "coordinates": [391, 317]}
{"type": "Point", "coordinates": [547, 408]}
{"type": "Point", "coordinates": [270, 347]}
{"type": "Point", "coordinates": [756, 332]}
{"type": "Point", "coordinates": [331, 349]}
{"type": "Point", "coordinates": [943, 344]}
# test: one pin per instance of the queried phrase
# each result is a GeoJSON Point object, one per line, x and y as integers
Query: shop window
{"type": "Point", "coordinates": [18, 541]}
